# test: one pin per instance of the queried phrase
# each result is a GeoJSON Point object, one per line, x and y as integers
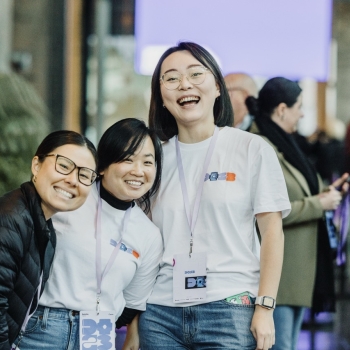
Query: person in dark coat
{"type": "Point", "coordinates": [63, 170]}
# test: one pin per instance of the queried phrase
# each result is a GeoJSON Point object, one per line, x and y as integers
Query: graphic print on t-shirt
{"type": "Point", "coordinates": [214, 176]}
{"type": "Point", "coordinates": [124, 248]}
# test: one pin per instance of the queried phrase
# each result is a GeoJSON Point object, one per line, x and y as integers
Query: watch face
{"type": "Point", "coordinates": [268, 302]}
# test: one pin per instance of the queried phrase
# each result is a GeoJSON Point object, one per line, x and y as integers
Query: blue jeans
{"type": "Point", "coordinates": [51, 328]}
{"type": "Point", "coordinates": [215, 325]}
{"type": "Point", "coordinates": [288, 321]}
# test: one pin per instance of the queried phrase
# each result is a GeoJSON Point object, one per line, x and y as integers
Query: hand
{"type": "Point", "coordinates": [263, 328]}
{"type": "Point", "coordinates": [342, 183]}
{"type": "Point", "coordinates": [330, 200]}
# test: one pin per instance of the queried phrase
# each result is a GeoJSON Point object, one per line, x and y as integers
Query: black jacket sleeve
{"type": "Point", "coordinates": [126, 317]}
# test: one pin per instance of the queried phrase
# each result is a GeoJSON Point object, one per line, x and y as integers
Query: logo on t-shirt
{"type": "Point", "coordinates": [124, 248]}
{"type": "Point", "coordinates": [215, 176]}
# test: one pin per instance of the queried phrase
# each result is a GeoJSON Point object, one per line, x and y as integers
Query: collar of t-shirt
{"type": "Point", "coordinates": [114, 201]}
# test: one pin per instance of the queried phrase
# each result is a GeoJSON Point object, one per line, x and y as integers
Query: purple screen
{"type": "Point", "coordinates": [266, 38]}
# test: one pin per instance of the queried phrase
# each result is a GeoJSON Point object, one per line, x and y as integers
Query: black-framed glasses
{"type": "Point", "coordinates": [66, 166]}
{"type": "Point", "coordinates": [195, 75]}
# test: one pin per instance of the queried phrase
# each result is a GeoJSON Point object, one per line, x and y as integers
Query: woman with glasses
{"type": "Point", "coordinates": [108, 252]}
{"type": "Point", "coordinates": [216, 182]}
{"type": "Point", "coordinates": [63, 171]}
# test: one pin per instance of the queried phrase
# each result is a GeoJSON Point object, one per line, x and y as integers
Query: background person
{"type": "Point", "coordinates": [239, 87]}
{"type": "Point", "coordinates": [129, 162]}
{"type": "Point", "coordinates": [27, 237]}
{"type": "Point", "coordinates": [241, 180]}
{"type": "Point", "coordinates": [307, 276]}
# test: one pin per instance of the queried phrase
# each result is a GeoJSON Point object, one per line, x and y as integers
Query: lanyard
{"type": "Point", "coordinates": [99, 274]}
{"type": "Point", "coordinates": [37, 295]}
{"type": "Point", "coordinates": [192, 217]}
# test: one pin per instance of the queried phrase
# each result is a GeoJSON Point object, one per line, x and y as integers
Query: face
{"type": "Point", "coordinates": [292, 116]}
{"type": "Point", "coordinates": [238, 97]}
{"type": "Point", "coordinates": [60, 192]}
{"type": "Point", "coordinates": [133, 177]}
{"type": "Point", "coordinates": [189, 103]}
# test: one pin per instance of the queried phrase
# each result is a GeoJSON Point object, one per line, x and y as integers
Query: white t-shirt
{"type": "Point", "coordinates": [73, 284]}
{"type": "Point", "coordinates": [249, 181]}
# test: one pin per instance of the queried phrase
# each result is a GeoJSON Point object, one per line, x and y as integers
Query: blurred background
{"type": "Point", "coordinates": [85, 64]}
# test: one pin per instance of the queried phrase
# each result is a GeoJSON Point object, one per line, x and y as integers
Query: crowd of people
{"type": "Point", "coordinates": [203, 230]}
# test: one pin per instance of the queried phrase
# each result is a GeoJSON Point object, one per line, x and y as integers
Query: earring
{"type": "Point", "coordinates": [164, 106]}
{"type": "Point", "coordinates": [34, 178]}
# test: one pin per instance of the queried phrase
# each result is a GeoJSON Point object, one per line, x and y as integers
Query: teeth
{"type": "Point", "coordinates": [134, 183]}
{"type": "Point", "coordinates": [188, 99]}
{"type": "Point", "coordinates": [65, 193]}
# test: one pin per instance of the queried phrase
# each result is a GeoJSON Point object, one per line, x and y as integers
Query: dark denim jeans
{"type": "Point", "coordinates": [215, 325]}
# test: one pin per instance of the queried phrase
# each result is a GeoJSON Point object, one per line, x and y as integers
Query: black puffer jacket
{"type": "Point", "coordinates": [27, 246]}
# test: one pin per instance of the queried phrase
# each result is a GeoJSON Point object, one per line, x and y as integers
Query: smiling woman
{"type": "Point", "coordinates": [109, 246]}
{"type": "Point", "coordinates": [216, 181]}
{"type": "Point", "coordinates": [27, 236]}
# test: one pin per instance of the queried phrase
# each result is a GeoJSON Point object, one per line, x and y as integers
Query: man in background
{"type": "Point", "coordinates": [240, 86]}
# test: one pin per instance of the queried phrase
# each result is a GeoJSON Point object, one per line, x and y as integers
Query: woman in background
{"type": "Point", "coordinates": [63, 171]}
{"type": "Point", "coordinates": [108, 251]}
{"type": "Point", "coordinates": [307, 276]}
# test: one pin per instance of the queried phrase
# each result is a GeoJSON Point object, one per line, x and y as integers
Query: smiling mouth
{"type": "Point", "coordinates": [188, 100]}
{"type": "Point", "coordinates": [64, 193]}
{"type": "Point", "coordinates": [134, 183]}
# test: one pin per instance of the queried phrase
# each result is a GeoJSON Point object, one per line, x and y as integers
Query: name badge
{"type": "Point", "coordinates": [97, 331]}
{"type": "Point", "coordinates": [189, 277]}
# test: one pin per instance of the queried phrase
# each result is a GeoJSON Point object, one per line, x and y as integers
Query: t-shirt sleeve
{"type": "Point", "coordinates": [140, 287]}
{"type": "Point", "coordinates": [268, 186]}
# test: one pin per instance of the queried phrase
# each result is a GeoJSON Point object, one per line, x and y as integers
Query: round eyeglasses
{"type": "Point", "coordinates": [66, 166]}
{"type": "Point", "coordinates": [195, 75]}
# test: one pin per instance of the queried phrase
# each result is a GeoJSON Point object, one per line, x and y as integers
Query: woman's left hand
{"type": "Point", "coordinates": [263, 328]}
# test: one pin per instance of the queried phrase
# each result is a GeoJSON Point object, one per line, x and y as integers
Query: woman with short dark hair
{"type": "Point", "coordinates": [216, 181]}
{"type": "Point", "coordinates": [63, 171]}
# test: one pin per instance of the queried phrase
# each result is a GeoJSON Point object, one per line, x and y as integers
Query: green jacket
{"type": "Point", "coordinates": [300, 231]}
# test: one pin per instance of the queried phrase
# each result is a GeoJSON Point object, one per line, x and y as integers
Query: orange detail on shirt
{"type": "Point", "coordinates": [230, 176]}
{"type": "Point", "coordinates": [135, 254]}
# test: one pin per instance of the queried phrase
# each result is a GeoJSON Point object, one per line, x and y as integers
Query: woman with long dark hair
{"type": "Point", "coordinates": [307, 276]}
{"type": "Point", "coordinates": [212, 290]}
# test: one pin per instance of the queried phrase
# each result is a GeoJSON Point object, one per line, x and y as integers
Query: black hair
{"type": "Point", "coordinates": [161, 120]}
{"type": "Point", "coordinates": [275, 91]}
{"type": "Point", "coordinates": [61, 138]}
{"type": "Point", "coordinates": [120, 141]}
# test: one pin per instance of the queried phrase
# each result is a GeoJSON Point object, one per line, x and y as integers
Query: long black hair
{"type": "Point", "coordinates": [161, 120]}
{"type": "Point", "coordinates": [120, 141]}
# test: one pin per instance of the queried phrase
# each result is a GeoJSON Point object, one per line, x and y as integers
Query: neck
{"type": "Point", "coordinates": [196, 133]}
{"type": "Point", "coordinates": [113, 201]}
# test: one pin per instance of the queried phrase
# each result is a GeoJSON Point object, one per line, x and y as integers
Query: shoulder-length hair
{"type": "Point", "coordinates": [161, 120]}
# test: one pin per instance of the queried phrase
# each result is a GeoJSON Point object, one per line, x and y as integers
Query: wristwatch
{"type": "Point", "coordinates": [266, 302]}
